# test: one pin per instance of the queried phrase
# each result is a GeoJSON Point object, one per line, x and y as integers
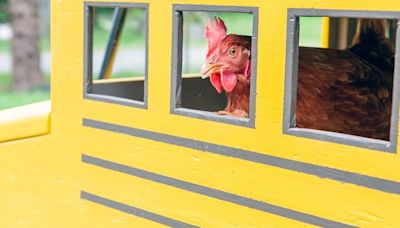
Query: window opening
{"type": "Point", "coordinates": [214, 63]}
{"type": "Point", "coordinates": [117, 53]}
{"type": "Point", "coordinates": [341, 77]}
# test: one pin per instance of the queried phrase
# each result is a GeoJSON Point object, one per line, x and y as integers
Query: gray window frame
{"type": "Point", "coordinates": [88, 52]}
{"type": "Point", "coordinates": [292, 55]}
{"type": "Point", "coordinates": [177, 40]}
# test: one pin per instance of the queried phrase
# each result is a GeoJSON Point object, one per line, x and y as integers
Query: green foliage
{"type": "Point", "coordinates": [236, 23]}
{"type": "Point", "coordinates": [133, 31]}
{"type": "Point", "coordinates": [194, 42]}
{"type": "Point", "coordinates": [310, 31]}
{"type": "Point", "coordinates": [4, 14]}
{"type": "Point", "coordinates": [10, 98]}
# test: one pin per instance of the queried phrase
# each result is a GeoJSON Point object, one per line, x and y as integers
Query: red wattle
{"type": "Point", "coordinates": [229, 80]}
{"type": "Point", "coordinates": [216, 82]}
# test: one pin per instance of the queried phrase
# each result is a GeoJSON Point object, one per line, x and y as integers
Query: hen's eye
{"type": "Point", "coordinates": [232, 52]}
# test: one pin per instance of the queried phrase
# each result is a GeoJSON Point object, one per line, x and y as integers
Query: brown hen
{"type": "Point", "coordinates": [228, 64]}
{"type": "Point", "coordinates": [337, 90]}
{"type": "Point", "coordinates": [348, 91]}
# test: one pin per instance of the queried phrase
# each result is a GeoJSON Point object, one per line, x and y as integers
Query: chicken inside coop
{"type": "Point", "coordinates": [343, 80]}
{"type": "Point", "coordinates": [218, 45]}
{"type": "Point", "coordinates": [228, 64]}
{"type": "Point", "coordinates": [346, 86]}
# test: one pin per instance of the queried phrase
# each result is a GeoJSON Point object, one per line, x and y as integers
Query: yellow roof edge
{"type": "Point", "coordinates": [25, 121]}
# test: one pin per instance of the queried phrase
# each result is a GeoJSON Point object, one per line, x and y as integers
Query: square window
{"type": "Point", "coordinates": [116, 53]}
{"type": "Point", "coordinates": [341, 77]}
{"type": "Point", "coordinates": [214, 63]}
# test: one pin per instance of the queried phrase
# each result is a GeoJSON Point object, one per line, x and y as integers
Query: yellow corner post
{"type": "Point", "coordinates": [325, 32]}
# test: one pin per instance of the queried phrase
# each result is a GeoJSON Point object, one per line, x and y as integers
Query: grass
{"type": "Point", "coordinates": [10, 98]}
{"type": "Point", "coordinates": [5, 46]}
{"type": "Point", "coordinates": [5, 82]}
{"type": "Point", "coordinates": [13, 98]}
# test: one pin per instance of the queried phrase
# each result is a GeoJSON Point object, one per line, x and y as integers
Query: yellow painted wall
{"type": "Point", "coordinates": [41, 177]}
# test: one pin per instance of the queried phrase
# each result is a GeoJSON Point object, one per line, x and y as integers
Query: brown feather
{"type": "Point", "coordinates": [238, 99]}
{"type": "Point", "coordinates": [231, 39]}
{"type": "Point", "coordinates": [371, 44]}
{"type": "Point", "coordinates": [340, 92]}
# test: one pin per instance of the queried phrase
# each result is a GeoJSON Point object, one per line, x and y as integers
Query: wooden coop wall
{"type": "Point", "coordinates": [111, 165]}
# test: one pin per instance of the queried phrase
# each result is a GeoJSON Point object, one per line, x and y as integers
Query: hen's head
{"type": "Point", "coordinates": [227, 56]}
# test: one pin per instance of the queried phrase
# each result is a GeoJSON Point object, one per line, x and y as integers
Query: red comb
{"type": "Point", "coordinates": [215, 33]}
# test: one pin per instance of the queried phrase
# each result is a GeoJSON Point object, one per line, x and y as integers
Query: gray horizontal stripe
{"type": "Point", "coordinates": [134, 211]}
{"type": "Point", "coordinates": [316, 170]}
{"type": "Point", "coordinates": [214, 193]}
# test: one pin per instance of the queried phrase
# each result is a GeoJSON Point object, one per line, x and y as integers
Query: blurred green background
{"type": "Point", "coordinates": [130, 56]}
{"type": "Point", "coordinates": [129, 61]}
{"type": "Point", "coordinates": [195, 45]}
{"type": "Point", "coordinates": [9, 97]}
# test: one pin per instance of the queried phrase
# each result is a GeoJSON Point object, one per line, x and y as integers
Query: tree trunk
{"type": "Point", "coordinates": [25, 44]}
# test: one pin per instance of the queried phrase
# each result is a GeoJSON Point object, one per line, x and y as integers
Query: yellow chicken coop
{"type": "Point", "coordinates": [151, 149]}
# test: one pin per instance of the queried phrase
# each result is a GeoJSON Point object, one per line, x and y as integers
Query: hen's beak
{"type": "Point", "coordinates": [208, 69]}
